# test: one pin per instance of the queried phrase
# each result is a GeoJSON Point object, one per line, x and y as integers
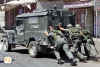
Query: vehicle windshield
{"type": "Point", "coordinates": [19, 22]}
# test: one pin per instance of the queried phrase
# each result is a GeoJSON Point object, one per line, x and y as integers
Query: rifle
{"type": "Point", "coordinates": [92, 42]}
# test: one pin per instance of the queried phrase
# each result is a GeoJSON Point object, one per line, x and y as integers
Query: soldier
{"type": "Point", "coordinates": [78, 41]}
{"type": "Point", "coordinates": [89, 45]}
{"type": "Point", "coordinates": [74, 36]}
{"type": "Point", "coordinates": [60, 42]}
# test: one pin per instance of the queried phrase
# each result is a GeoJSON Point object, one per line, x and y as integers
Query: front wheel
{"type": "Point", "coordinates": [32, 49]}
{"type": "Point", "coordinates": [4, 46]}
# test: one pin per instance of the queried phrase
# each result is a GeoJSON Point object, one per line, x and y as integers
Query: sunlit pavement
{"type": "Point", "coordinates": [22, 59]}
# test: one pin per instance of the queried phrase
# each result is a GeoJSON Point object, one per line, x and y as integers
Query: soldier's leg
{"type": "Point", "coordinates": [83, 48]}
{"type": "Point", "coordinates": [56, 51]}
{"type": "Point", "coordinates": [57, 54]}
{"type": "Point", "coordinates": [93, 51]}
{"type": "Point", "coordinates": [81, 56]}
{"type": "Point", "coordinates": [78, 51]}
{"type": "Point", "coordinates": [69, 54]}
{"type": "Point", "coordinates": [67, 51]}
{"type": "Point", "coordinates": [92, 48]}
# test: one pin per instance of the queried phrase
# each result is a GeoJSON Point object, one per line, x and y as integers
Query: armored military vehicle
{"type": "Point", "coordinates": [30, 27]}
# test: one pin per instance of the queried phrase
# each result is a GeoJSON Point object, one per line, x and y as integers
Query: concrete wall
{"type": "Point", "coordinates": [2, 18]}
{"type": "Point", "coordinates": [89, 20]}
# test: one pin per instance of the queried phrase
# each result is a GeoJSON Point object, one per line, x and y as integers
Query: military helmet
{"type": "Point", "coordinates": [78, 26]}
{"type": "Point", "coordinates": [69, 25]}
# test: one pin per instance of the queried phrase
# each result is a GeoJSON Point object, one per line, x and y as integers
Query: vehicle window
{"type": "Point", "coordinates": [19, 22]}
{"type": "Point", "coordinates": [20, 27]}
{"type": "Point", "coordinates": [34, 22]}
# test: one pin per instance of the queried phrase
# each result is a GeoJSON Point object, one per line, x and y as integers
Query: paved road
{"type": "Point", "coordinates": [22, 59]}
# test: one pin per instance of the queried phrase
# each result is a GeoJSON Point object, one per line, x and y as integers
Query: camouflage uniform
{"type": "Point", "coordinates": [60, 42]}
{"type": "Point", "coordinates": [73, 35]}
{"type": "Point", "coordinates": [77, 43]}
{"type": "Point", "coordinates": [88, 44]}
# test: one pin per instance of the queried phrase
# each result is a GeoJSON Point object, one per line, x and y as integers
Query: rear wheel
{"type": "Point", "coordinates": [32, 49]}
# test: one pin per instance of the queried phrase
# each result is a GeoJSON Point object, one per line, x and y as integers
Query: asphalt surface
{"type": "Point", "coordinates": [22, 59]}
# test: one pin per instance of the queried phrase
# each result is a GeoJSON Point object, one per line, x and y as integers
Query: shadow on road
{"type": "Point", "coordinates": [21, 51]}
{"type": "Point", "coordinates": [40, 55]}
{"type": "Point", "coordinates": [1, 62]}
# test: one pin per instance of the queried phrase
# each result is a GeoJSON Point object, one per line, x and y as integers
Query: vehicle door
{"type": "Point", "coordinates": [19, 31]}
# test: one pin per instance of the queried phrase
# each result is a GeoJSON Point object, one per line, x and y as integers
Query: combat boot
{"type": "Point", "coordinates": [73, 62]}
{"type": "Point", "coordinates": [60, 61]}
{"type": "Point", "coordinates": [84, 59]}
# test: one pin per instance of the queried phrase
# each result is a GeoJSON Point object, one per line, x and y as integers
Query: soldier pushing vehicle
{"type": "Point", "coordinates": [31, 30]}
{"type": "Point", "coordinates": [82, 41]}
{"type": "Point", "coordinates": [75, 39]}
{"type": "Point", "coordinates": [88, 44]}
{"type": "Point", "coordinates": [60, 43]}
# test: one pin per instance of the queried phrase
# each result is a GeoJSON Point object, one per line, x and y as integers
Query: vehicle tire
{"type": "Point", "coordinates": [9, 47]}
{"type": "Point", "coordinates": [32, 49]}
{"type": "Point", "coordinates": [4, 45]}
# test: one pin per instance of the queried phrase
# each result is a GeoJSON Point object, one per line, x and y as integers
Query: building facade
{"type": "Point", "coordinates": [84, 13]}
{"type": "Point", "coordinates": [83, 9]}
{"type": "Point", "coordinates": [97, 18]}
{"type": "Point", "coordinates": [11, 11]}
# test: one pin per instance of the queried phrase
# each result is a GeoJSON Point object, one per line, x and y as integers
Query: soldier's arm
{"type": "Point", "coordinates": [49, 34]}
{"type": "Point", "coordinates": [62, 29]}
{"type": "Point", "coordinates": [46, 33]}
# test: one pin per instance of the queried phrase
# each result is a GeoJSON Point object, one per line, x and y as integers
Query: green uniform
{"type": "Point", "coordinates": [77, 43]}
{"type": "Point", "coordinates": [60, 42]}
{"type": "Point", "coordinates": [88, 43]}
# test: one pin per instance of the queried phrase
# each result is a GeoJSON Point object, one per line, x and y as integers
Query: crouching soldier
{"type": "Point", "coordinates": [74, 36]}
{"type": "Point", "coordinates": [60, 42]}
{"type": "Point", "coordinates": [90, 49]}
